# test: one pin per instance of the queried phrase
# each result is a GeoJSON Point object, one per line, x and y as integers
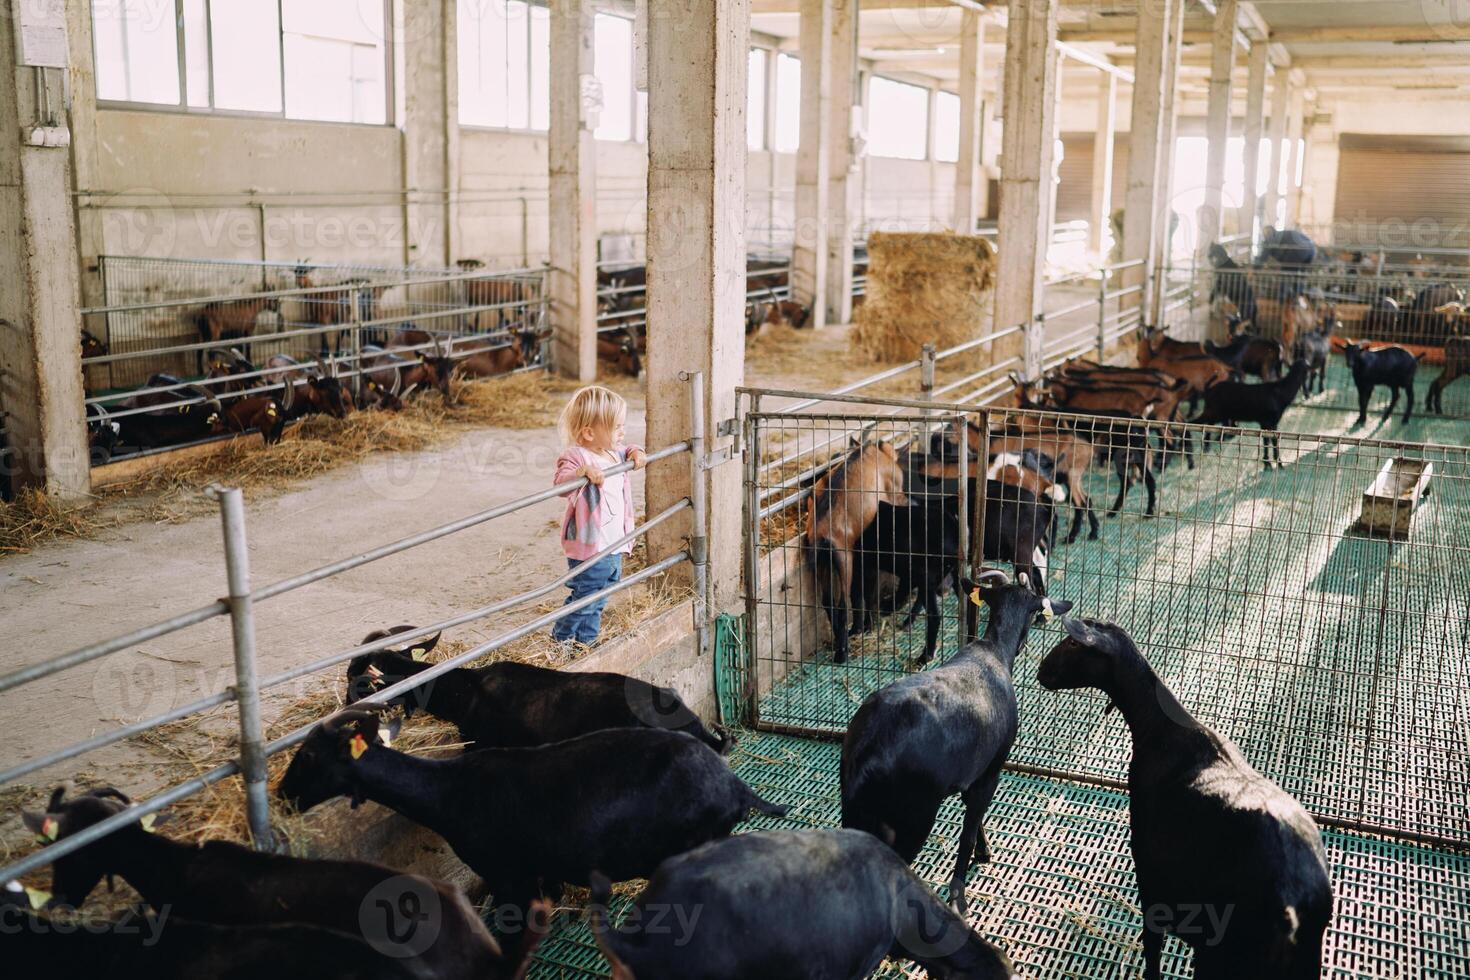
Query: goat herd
{"type": "Point", "coordinates": [587, 778]}
{"type": "Point", "coordinates": [237, 397]}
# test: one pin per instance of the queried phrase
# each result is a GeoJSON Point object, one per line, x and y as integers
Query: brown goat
{"type": "Point", "coordinates": [495, 292]}
{"type": "Point", "coordinates": [257, 413]}
{"type": "Point", "coordinates": [229, 320]}
{"type": "Point", "coordinates": [844, 502]}
{"type": "Point", "coordinates": [621, 351]}
{"type": "Point", "coordinates": [1456, 365]}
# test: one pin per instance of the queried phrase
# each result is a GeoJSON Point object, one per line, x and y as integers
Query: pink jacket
{"type": "Point", "coordinates": [580, 522]}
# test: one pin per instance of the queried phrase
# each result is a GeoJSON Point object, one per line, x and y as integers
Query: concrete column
{"type": "Point", "coordinates": [40, 354]}
{"type": "Point", "coordinates": [572, 159]}
{"type": "Point", "coordinates": [1146, 135]}
{"type": "Point", "coordinates": [1164, 217]}
{"type": "Point", "coordinates": [1293, 190]}
{"type": "Point", "coordinates": [91, 241]}
{"type": "Point", "coordinates": [1255, 111]}
{"type": "Point", "coordinates": [813, 161]}
{"type": "Point", "coordinates": [844, 185]}
{"type": "Point", "coordinates": [1280, 97]}
{"type": "Point", "coordinates": [1102, 164]}
{"type": "Point", "coordinates": [1055, 172]}
{"type": "Point", "coordinates": [697, 60]}
{"type": "Point", "coordinates": [1222, 66]}
{"type": "Point", "coordinates": [1026, 156]}
{"type": "Point", "coordinates": [969, 177]}
{"type": "Point", "coordinates": [430, 126]}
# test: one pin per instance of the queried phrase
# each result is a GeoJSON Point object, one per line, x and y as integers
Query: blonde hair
{"type": "Point", "coordinates": [591, 406]}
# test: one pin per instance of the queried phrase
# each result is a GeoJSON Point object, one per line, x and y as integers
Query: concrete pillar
{"type": "Point", "coordinates": [91, 241]}
{"type": "Point", "coordinates": [1222, 66]}
{"type": "Point", "coordinates": [430, 125]}
{"type": "Point", "coordinates": [1280, 97]}
{"type": "Point", "coordinates": [1102, 164]}
{"type": "Point", "coordinates": [1026, 156]}
{"type": "Point", "coordinates": [1293, 190]}
{"type": "Point", "coordinates": [813, 160]}
{"type": "Point", "coordinates": [40, 353]}
{"type": "Point", "coordinates": [969, 176]}
{"type": "Point", "coordinates": [1164, 217]}
{"type": "Point", "coordinates": [697, 60]}
{"type": "Point", "coordinates": [572, 159]}
{"type": "Point", "coordinates": [844, 185]}
{"type": "Point", "coordinates": [1255, 111]}
{"type": "Point", "coordinates": [1146, 135]}
{"type": "Point", "coordinates": [1055, 172]}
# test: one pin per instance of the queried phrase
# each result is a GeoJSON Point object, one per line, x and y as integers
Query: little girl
{"type": "Point", "coordinates": [591, 427]}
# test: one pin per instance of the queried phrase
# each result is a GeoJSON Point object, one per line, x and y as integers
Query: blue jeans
{"type": "Point", "coordinates": [584, 624]}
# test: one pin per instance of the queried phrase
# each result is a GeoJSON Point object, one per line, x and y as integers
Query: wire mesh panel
{"type": "Point", "coordinates": [829, 541]}
{"type": "Point", "coordinates": [1313, 611]}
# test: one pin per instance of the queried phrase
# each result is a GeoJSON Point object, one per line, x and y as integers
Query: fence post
{"type": "Point", "coordinates": [1102, 316]}
{"type": "Point", "coordinates": [1033, 342]}
{"type": "Point", "coordinates": [962, 447]}
{"type": "Point", "coordinates": [1193, 273]}
{"type": "Point", "coordinates": [699, 540]}
{"type": "Point", "coordinates": [247, 691]}
{"type": "Point", "coordinates": [356, 345]}
{"type": "Point", "coordinates": [926, 375]}
{"type": "Point", "coordinates": [751, 554]}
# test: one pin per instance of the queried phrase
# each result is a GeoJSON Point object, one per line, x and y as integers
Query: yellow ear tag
{"type": "Point", "coordinates": [386, 737]}
{"type": "Point", "coordinates": [38, 898]}
{"type": "Point", "coordinates": [419, 653]}
{"type": "Point", "coordinates": [975, 596]}
{"type": "Point", "coordinates": [147, 822]}
{"type": "Point", "coordinates": [50, 828]}
{"type": "Point", "coordinates": [358, 746]}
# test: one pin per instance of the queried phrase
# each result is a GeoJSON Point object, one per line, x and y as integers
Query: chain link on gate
{"type": "Point", "coordinates": [1312, 611]}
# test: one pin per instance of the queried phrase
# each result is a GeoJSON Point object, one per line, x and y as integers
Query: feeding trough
{"type": "Point", "coordinates": [1390, 500]}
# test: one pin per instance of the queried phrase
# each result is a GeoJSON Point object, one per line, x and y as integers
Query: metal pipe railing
{"type": "Point", "coordinates": [239, 605]}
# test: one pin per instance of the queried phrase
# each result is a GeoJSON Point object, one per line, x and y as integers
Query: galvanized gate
{"type": "Point", "coordinates": [1332, 651]}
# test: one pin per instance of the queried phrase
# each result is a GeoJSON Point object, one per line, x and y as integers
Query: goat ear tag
{"type": "Point", "coordinates": [149, 819]}
{"type": "Point", "coordinates": [50, 828]}
{"type": "Point", "coordinates": [975, 596]}
{"type": "Point", "coordinates": [419, 653]}
{"type": "Point", "coordinates": [1046, 611]}
{"type": "Point", "coordinates": [385, 737]}
{"type": "Point", "coordinates": [37, 898]}
{"type": "Point", "coordinates": [358, 746]}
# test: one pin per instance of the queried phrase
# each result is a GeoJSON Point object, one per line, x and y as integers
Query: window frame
{"type": "Point", "coordinates": [530, 72]}
{"type": "Point", "coordinates": [184, 108]}
{"type": "Point", "coordinates": [939, 94]}
{"type": "Point", "coordinates": [633, 101]}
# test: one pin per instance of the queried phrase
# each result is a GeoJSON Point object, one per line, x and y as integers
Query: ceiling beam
{"type": "Point", "coordinates": [1095, 61]}
{"type": "Point", "coordinates": [1355, 63]}
{"type": "Point", "coordinates": [1406, 34]}
{"type": "Point", "coordinates": [794, 6]}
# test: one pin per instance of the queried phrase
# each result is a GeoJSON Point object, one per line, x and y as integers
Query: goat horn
{"type": "Point", "coordinates": [408, 392]}
{"type": "Point", "coordinates": [397, 386]}
{"type": "Point", "coordinates": [288, 394]}
{"type": "Point", "coordinates": [103, 792]}
{"type": "Point", "coordinates": [993, 573]}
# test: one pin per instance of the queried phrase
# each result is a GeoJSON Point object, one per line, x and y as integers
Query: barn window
{"type": "Point", "coordinates": [755, 100]}
{"type": "Point", "coordinates": [302, 59]}
{"type": "Point", "coordinates": [504, 64]}
{"type": "Point", "coordinates": [137, 51]}
{"type": "Point", "coordinates": [788, 104]}
{"type": "Point", "coordinates": [947, 127]}
{"type": "Point", "coordinates": [612, 47]}
{"type": "Point", "coordinates": [898, 119]}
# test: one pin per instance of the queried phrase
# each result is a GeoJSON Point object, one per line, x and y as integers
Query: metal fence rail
{"type": "Point", "coordinates": [1311, 634]}
{"type": "Point", "coordinates": [249, 683]}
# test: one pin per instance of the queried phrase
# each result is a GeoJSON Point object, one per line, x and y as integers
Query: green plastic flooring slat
{"type": "Point", "coordinates": [1060, 893]}
{"type": "Point", "coordinates": [1337, 662]}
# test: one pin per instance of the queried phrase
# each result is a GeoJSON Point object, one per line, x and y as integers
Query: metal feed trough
{"type": "Point", "coordinates": [1390, 501]}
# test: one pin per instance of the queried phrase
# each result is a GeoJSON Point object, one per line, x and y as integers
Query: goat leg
{"type": "Point", "coordinates": [1152, 488]}
{"type": "Point", "coordinates": [969, 834]}
{"type": "Point", "coordinates": [1409, 401]}
{"type": "Point", "coordinates": [1153, 952]}
{"type": "Point", "coordinates": [931, 621]}
{"type": "Point", "coordinates": [1393, 401]}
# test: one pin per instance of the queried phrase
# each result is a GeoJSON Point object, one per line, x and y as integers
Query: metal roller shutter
{"type": "Point", "coordinates": [1074, 193]}
{"type": "Point", "coordinates": [1403, 192]}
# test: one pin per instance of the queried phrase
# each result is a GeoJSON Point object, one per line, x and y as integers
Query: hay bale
{"type": "Point", "coordinates": [924, 287]}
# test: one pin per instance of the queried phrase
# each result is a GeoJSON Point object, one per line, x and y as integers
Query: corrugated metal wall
{"type": "Point", "coordinates": [1074, 193]}
{"type": "Point", "coordinates": [1404, 192]}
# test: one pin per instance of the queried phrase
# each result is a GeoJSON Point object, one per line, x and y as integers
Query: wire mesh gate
{"type": "Point", "coordinates": [1314, 611]}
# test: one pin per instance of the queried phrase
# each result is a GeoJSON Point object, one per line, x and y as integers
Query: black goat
{"type": "Point", "coordinates": [919, 545]}
{"type": "Point", "coordinates": [1392, 367]}
{"type": "Point", "coordinates": [1233, 402]}
{"type": "Point", "coordinates": [1315, 346]}
{"type": "Point", "coordinates": [922, 738]}
{"type": "Point", "coordinates": [1381, 321]}
{"type": "Point", "coordinates": [227, 884]}
{"type": "Point", "coordinates": [1121, 439]}
{"type": "Point", "coordinates": [801, 905]}
{"type": "Point", "coordinates": [1233, 282]}
{"type": "Point", "coordinates": [169, 947]}
{"type": "Point", "coordinates": [618, 801]}
{"type": "Point", "coordinates": [511, 705]}
{"type": "Point", "coordinates": [1210, 834]}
